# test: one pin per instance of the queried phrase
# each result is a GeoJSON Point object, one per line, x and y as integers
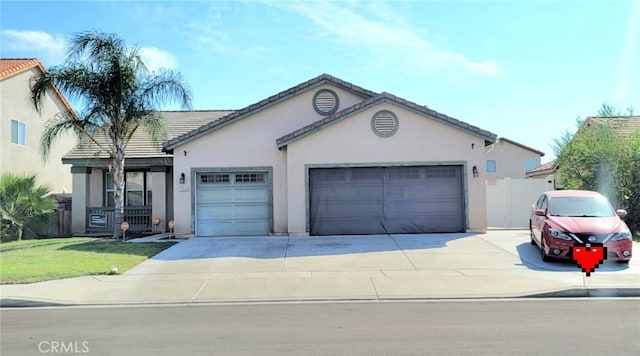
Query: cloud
{"type": "Point", "coordinates": [155, 58]}
{"type": "Point", "coordinates": [25, 43]}
{"type": "Point", "coordinates": [385, 37]}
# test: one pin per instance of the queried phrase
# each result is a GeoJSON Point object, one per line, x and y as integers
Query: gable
{"type": "Point", "coordinates": [321, 83]}
{"type": "Point", "coordinates": [377, 100]}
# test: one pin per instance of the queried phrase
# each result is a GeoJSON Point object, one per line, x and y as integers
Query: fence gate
{"type": "Point", "coordinates": [509, 201]}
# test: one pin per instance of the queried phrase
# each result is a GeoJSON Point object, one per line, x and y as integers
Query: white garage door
{"type": "Point", "coordinates": [232, 204]}
{"type": "Point", "coordinates": [386, 200]}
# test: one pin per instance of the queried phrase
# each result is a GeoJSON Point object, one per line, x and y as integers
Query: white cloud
{"type": "Point", "coordinates": [25, 43]}
{"type": "Point", "coordinates": [384, 37]}
{"type": "Point", "coordinates": [155, 58]}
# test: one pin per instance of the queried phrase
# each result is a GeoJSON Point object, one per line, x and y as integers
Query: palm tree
{"type": "Point", "coordinates": [23, 205]}
{"type": "Point", "coordinates": [118, 95]}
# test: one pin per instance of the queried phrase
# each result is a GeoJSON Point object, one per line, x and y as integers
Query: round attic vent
{"type": "Point", "coordinates": [384, 123]}
{"type": "Point", "coordinates": [325, 102]}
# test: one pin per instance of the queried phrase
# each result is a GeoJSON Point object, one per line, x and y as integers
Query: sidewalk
{"type": "Point", "coordinates": [498, 264]}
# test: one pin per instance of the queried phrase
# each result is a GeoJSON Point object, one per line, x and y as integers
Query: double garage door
{"type": "Point", "coordinates": [386, 200]}
{"type": "Point", "coordinates": [232, 204]}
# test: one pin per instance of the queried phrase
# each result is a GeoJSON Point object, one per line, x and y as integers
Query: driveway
{"type": "Point", "coordinates": [498, 264]}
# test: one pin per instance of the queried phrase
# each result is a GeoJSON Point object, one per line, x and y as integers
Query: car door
{"type": "Point", "coordinates": [537, 222]}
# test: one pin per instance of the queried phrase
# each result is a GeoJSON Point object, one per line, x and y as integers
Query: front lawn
{"type": "Point", "coordinates": [40, 260]}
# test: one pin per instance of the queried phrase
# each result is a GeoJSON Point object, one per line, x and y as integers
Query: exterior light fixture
{"type": "Point", "coordinates": [182, 178]}
{"type": "Point", "coordinates": [475, 172]}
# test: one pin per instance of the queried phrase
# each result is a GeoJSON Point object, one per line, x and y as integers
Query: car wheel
{"type": "Point", "coordinates": [532, 241]}
{"type": "Point", "coordinates": [545, 257]}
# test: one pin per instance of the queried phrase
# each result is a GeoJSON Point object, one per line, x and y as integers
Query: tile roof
{"type": "Point", "coordinates": [141, 146]}
{"type": "Point", "coordinates": [274, 99]}
{"type": "Point", "coordinates": [384, 97]}
{"type": "Point", "coordinates": [545, 168]}
{"type": "Point", "coordinates": [521, 145]}
{"type": "Point", "coordinates": [12, 66]}
{"type": "Point", "coordinates": [625, 125]}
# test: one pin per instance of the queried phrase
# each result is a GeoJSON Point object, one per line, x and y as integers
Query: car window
{"type": "Point", "coordinates": [544, 203]}
{"type": "Point", "coordinates": [586, 207]}
{"type": "Point", "coordinates": [539, 201]}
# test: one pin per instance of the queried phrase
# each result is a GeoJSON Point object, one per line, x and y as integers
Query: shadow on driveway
{"type": "Point", "coordinates": [530, 257]}
{"type": "Point", "coordinates": [270, 247]}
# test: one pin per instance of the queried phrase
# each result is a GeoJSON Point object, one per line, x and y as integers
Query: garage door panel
{"type": "Point", "coordinates": [237, 205]}
{"type": "Point", "coordinates": [386, 200]}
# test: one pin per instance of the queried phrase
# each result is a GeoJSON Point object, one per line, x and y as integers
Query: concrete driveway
{"type": "Point", "coordinates": [497, 264]}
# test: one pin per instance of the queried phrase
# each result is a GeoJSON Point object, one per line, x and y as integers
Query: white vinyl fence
{"type": "Point", "coordinates": [509, 201]}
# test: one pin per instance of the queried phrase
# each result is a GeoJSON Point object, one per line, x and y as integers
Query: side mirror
{"type": "Point", "coordinates": [539, 212]}
{"type": "Point", "coordinates": [621, 213]}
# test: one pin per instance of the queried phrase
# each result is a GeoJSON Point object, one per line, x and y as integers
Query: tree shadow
{"type": "Point", "coordinates": [270, 247]}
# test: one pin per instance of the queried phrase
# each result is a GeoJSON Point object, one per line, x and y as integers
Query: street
{"type": "Point", "coordinates": [508, 327]}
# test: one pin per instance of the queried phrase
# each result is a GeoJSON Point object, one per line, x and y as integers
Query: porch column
{"type": "Point", "coordinates": [159, 197]}
{"type": "Point", "coordinates": [80, 199]}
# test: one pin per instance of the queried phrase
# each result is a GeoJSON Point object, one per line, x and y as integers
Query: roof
{"type": "Point", "coordinates": [141, 146]}
{"type": "Point", "coordinates": [625, 125]}
{"type": "Point", "coordinates": [384, 98]}
{"type": "Point", "coordinates": [12, 66]}
{"type": "Point", "coordinates": [543, 169]}
{"type": "Point", "coordinates": [573, 193]}
{"type": "Point", "coordinates": [272, 100]}
{"type": "Point", "coordinates": [503, 139]}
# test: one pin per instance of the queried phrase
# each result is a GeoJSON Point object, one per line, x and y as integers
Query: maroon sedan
{"type": "Point", "coordinates": [564, 217]}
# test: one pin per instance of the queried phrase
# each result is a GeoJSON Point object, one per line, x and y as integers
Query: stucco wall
{"type": "Point", "coordinates": [510, 160]}
{"type": "Point", "coordinates": [250, 142]}
{"type": "Point", "coordinates": [27, 160]}
{"type": "Point", "coordinates": [417, 140]}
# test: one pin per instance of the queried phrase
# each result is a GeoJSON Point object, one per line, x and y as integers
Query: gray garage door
{"type": "Point", "coordinates": [232, 204]}
{"type": "Point", "coordinates": [386, 200]}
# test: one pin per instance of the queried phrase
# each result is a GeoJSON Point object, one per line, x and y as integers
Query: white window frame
{"type": "Point", "coordinates": [18, 132]}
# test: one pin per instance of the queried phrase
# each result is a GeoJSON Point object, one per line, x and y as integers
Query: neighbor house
{"type": "Point", "coordinates": [510, 159]}
{"type": "Point", "coordinates": [623, 125]}
{"type": "Point", "coordinates": [21, 126]}
{"type": "Point", "coordinates": [323, 157]}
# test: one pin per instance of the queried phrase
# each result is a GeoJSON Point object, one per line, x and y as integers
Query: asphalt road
{"type": "Point", "coordinates": [489, 327]}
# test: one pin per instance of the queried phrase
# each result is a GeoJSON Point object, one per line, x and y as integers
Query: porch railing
{"type": "Point", "coordinates": [101, 219]}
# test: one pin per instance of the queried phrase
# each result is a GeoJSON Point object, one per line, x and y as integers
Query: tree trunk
{"type": "Point", "coordinates": [118, 182]}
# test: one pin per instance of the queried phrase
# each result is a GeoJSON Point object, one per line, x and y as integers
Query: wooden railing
{"type": "Point", "coordinates": [101, 219]}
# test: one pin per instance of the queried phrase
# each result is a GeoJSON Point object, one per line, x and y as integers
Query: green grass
{"type": "Point", "coordinates": [30, 261]}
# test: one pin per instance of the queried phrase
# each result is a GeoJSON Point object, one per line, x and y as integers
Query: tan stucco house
{"type": "Point", "coordinates": [324, 157]}
{"type": "Point", "coordinates": [509, 159]}
{"type": "Point", "coordinates": [21, 126]}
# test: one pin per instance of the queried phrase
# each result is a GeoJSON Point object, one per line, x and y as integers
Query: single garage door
{"type": "Point", "coordinates": [381, 200]}
{"type": "Point", "coordinates": [232, 204]}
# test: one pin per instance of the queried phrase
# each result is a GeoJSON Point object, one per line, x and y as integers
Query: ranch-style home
{"type": "Point", "coordinates": [324, 157]}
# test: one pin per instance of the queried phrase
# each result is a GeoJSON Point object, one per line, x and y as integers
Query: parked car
{"type": "Point", "coordinates": [559, 219]}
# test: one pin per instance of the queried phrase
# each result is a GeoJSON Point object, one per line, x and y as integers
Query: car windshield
{"type": "Point", "coordinates": [580, 207]}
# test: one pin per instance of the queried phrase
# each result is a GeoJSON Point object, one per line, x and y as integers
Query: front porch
{"type": "Point", "coordinates": [101, 219]}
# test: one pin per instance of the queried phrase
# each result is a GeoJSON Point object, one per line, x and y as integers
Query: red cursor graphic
{"type": "Point", "coordinates": [589, 256]}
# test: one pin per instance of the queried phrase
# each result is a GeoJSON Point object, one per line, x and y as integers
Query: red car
{"type": "Point", "coordinates": [563, 217]}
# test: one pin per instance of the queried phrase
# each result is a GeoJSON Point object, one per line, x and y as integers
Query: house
{"type": "Point", "coordinates": [21, 126]}
{"type": "Point", "coordinates": [323, 157]}
{"type": "Point", "coordinates": [510, 159]}
{"type": "Point", "coordinates": [623, 125]}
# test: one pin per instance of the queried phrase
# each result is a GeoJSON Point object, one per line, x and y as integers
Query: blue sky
{"type": "Point", "coordinates": [524, 70]}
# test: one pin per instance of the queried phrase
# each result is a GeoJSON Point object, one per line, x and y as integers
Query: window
{"type": "Point", "coordinates": [18, 132]}
{"type": "Point", "coordinates": [491, 166]}
{"type": "Point", "coordinates": [137, 189]}
{"type": "Point", "coordinates": [530, 164]}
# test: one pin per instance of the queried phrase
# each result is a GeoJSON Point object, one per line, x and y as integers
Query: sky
{"type": "Point", "coordinates": [524, 70]}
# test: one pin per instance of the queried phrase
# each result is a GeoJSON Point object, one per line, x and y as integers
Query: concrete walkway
{"type": "Point", "coordinates": [498, 264]}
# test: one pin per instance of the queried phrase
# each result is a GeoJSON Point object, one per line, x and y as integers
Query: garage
{"type": "Point", "coordinates": [232, 204]}
{"type": "Point", "coordinates": [386, 200]}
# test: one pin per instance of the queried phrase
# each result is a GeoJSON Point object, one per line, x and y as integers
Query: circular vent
{"type": "Point", "coordinates": [325, 102]}
{"type": "Point", "coordinates": [384, 123]}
